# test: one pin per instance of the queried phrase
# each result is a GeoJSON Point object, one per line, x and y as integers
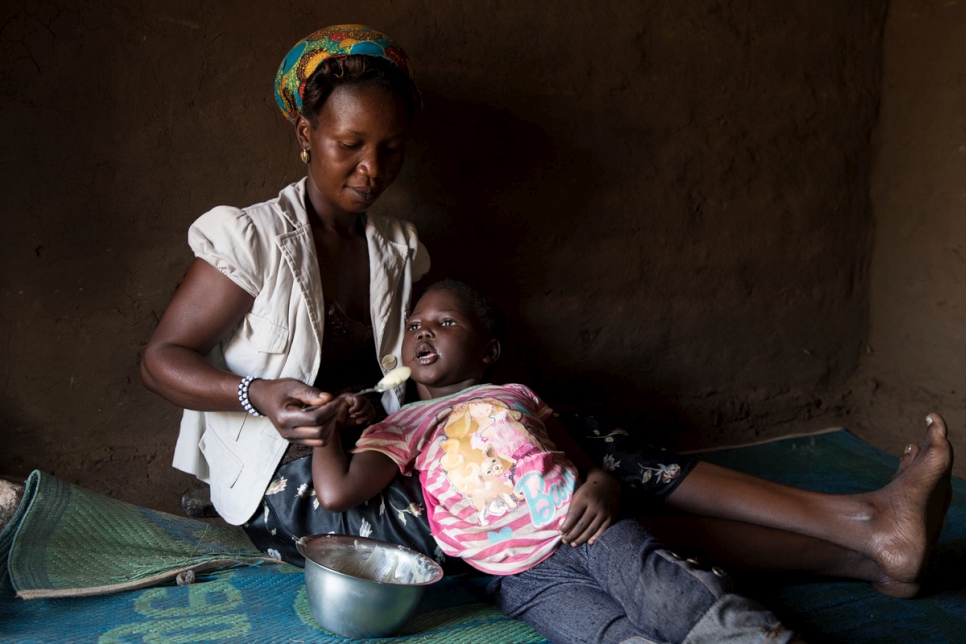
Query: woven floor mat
{"type": "Point", "coordinates": [264, 604]}
{"type": "Point", "coordinates": [267, 603]}
{"type": "Point", "coordinates": [65, 541]}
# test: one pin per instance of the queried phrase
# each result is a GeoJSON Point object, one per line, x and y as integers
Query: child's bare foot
{"type": "Point", "coordinates": [909, 511]}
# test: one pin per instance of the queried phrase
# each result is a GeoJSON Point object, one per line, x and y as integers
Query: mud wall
{"type": "Point", "coordinates": [670, 199]}
{"type": "Point", "coordinates": [916, 359]}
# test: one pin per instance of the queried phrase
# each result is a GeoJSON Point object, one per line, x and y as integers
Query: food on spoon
{"type": "Point", "coordinates": [395, 377]}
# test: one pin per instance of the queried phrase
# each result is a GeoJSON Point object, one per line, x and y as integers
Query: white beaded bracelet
{"type": "Point", "coordinates": [243, 386]}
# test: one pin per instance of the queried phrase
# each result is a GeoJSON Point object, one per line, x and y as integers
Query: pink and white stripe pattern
{"type": "Point", "coordinates": [502, 516]}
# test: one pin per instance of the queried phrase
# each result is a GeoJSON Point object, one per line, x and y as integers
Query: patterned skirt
{"type": "Point", "coordinates": [289, 509]}
{"type": "Point", "coordinates": [647, 473]}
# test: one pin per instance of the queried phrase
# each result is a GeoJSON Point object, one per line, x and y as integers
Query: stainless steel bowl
{"type": "Point", "coordinates": [361, 588]}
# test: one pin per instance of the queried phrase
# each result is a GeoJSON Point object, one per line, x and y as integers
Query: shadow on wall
{"type": "Point", "coordinates": [493, 196]}
{"type": "Point", "coordinates": [668, 199]}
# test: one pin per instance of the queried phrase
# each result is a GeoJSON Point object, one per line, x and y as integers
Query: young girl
{"type": "Point", "coordinates": [500, 495]}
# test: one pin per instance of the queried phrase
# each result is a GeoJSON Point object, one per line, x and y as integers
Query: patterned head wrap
{"type": "Point", "coordinates": [338, 40]}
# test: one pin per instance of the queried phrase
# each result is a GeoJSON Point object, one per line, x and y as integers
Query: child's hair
{"type": "Point", "coordinates": [480, 306]}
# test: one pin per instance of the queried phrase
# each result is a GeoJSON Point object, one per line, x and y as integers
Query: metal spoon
{"type": "Point", "coordinates": [395, 377]}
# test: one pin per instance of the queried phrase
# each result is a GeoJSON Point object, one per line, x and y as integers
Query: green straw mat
{"type": "Point", "coordinates": [65, 541]}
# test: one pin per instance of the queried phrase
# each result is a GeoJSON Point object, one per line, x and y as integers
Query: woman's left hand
{"type": "Point", "coordinates": [592, 510]}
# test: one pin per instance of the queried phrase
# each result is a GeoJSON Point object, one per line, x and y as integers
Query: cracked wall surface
{"type": "Point", "coordinates": [669, 199]}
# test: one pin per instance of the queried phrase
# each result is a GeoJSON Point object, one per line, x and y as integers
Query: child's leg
{"type": "Point", "coordinates": [626, 585]}
{"type": "Point", "coordinates": [679, 599]}
{"type": "Point", "coordinates": [894, 526]}
{"type": "Point", "coordinates": [558, 600]}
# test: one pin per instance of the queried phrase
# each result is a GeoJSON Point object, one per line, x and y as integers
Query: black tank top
{"type": "Point", "coordinates": [348, 364]}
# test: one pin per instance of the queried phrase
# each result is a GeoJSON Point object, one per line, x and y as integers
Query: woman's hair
{"type": "Point", "coordinates": [480, 306]}
{"type": "Point", "coordinates": [357, 70]}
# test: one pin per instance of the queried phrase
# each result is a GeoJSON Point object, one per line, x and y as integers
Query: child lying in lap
{"type": "Point", "coordinates": [503, 497]}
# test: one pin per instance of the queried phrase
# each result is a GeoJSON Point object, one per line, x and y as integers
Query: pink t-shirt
{"type": "Point", "coordinates": [496, 488]}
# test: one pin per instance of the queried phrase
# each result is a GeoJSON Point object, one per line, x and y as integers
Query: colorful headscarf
{"type": "Point", "coordinates": [338, 40]}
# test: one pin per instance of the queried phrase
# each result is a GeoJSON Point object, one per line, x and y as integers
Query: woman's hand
{"type": "Point", "coordinates": [301, 414]}
{"type": "Point", "coordinates": [592, 510]}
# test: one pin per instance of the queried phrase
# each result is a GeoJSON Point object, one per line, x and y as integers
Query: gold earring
{"type": "Point", "coordinates": [304, 155]}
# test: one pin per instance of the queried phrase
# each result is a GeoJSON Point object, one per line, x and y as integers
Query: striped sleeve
{"type": "Point", "coordinates": [391, 439]}
{"type": "Point", "coordinates": [540, 409]}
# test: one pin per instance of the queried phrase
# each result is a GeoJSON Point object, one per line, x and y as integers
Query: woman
{"type": "Point", "coordinates": [271, 281]}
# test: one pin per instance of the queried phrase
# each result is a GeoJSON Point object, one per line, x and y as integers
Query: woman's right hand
{"type": "Point", "coordinates": [301, 414]}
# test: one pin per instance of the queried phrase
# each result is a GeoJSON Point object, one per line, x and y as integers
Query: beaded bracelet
{"type": "Point", "coordinates": [243, 386]}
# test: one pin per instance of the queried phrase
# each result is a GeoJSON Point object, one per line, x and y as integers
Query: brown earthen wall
{"type": "Point", "coordinates": [669, 198]}
{"type": "Point", "coordinates": [916, 359]}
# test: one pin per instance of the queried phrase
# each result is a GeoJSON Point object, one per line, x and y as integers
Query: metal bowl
{"type": "Point", "coordinates": [362, 588]}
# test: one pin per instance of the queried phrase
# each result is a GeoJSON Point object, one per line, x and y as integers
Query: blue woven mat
{"type": "Point", "coordinates": [854, 612]}
{"type": "Point", "coordinates": [267, 603]}
{"type": "Point", "coordinates": [247, 604]}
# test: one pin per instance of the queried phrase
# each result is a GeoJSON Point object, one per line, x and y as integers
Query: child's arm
{"type": "Point", "coordinates": [343, 481]}
{"type": "Point", "coordinates": [563, 442]}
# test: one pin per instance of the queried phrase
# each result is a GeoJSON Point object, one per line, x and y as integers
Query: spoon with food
{"type": "Point", "coordinates": [392, 379]}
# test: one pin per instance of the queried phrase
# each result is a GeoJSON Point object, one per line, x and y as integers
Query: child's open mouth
{"type": "Point", "coordinates": [426, 353]}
